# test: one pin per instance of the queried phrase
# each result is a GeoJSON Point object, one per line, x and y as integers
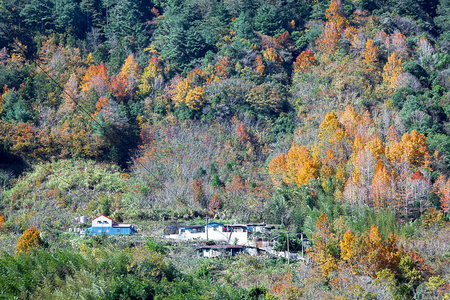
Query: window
{"type": "Point", "coordinates": [117, 230]}
{"type": "Point", "coordinates": [100, 222]}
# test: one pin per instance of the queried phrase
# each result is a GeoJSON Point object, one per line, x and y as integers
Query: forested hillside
{"type": "Point", "coordinates": [331, 119]}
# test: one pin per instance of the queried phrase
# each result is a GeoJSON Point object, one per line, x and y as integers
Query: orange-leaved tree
{"type": "Point", "coordinates": [333, 145]}
{"type": "Point", "coordinates": [277, 168]}
{"type": "Point", "coordinates": [375, 147]}
{"type": "Point", "coordinates": [125, 83]}
{"type": "Point", "coordinates": [412, 148]}
{"type": "Point", "coordinates": [198, 193]}
{"type": "Point", "coordinates": [383, 188]}
{"type": "Point", "coordinates": [2, 221]}
{"type": "Point", "coordinates": [216, 204]}
{"type": "Point", "coordinates": [96, 78]}
{"type": "Point", "coordinates": [399, 44]}
{"type": "Point", "coordinates": [119, 86]}
{"type": "Point", "coordinates": [260, 67]}
{"type": "Point", "coordinates": [442, 189]}
{"type": "Point", "coordinates": [305, 61]}
{"type": "Point", "coordinates": [369, 252]}
{"type": "Point", "coordinates": [328, 42]}
{"type": "Point", "coordinates": [334, 14]}
{"type": "Point", "coordinates": [286, 288]}
{"type": "Point", "coordinates": [28, 240]}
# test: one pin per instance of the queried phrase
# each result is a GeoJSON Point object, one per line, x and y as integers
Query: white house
{"type": "Point", "coordinates": [231, 234]}
{"type": "Point", "coordinates": [103, 221]}
{"type": "Point", "coordinates": [104, 225]}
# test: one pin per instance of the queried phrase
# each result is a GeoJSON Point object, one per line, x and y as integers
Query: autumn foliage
{"type": "Point", "coordinates": [328, 42]}
{"type": "Point", "coordinates": [370, 55]}
{"type": "Point", "coordinates": [285, 288]}
{"type": "Point", "coordinates": [297, 167]}
{"type": "Point", "coordinates": [304, 61]}
{"type": "Point", "coordinates": [190, 90]}
{"type": "Point", "coordinates": [96, 78]}
{"type": "Point", "coordinates": [28, 240]}
{"type": "Point", "coordinates": [2, 221]}
{"type": "Point", "coordinates": [368, 170]}
{"type": "Point", "coordinates": [392, 71]}
{"type": "Point", "coordinates": [326, 117]}
{"type": "Point", "coordinates": [366, 253]}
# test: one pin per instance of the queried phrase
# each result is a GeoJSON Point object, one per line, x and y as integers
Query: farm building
{"type": "Point", "coordinates": [216, 251]}
{"type": "Point", "coordinates": [210, 251]}
{"type": "Point", "coordinates": [231, 234]}
{"type": "Point", "coordinates": [104, 225]}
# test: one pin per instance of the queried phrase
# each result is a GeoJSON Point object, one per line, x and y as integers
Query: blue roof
{"type": "Point", "coordinates": [112, 230]}
{"type": "Point", "coordinates": [214, 224]}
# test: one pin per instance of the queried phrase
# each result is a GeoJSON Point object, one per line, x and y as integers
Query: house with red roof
{"type": "Point", "coordinates": [105, 225]}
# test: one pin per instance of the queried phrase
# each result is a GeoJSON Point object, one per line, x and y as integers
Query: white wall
{"type": "Point", "coordinates": [101, 221]}
{"type": "Point", "coordinates": [229, 237]}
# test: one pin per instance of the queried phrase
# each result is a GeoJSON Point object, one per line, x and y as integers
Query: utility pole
{"type": "Point", "coordinates": [302, 246]}
{"type": "Point", "coordinates": [289, 254]}
{"type": "Point", "coordinates": [206, 228]}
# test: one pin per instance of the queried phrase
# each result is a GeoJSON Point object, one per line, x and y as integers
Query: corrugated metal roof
{"type": "Point", "coordinates": [222, 247]}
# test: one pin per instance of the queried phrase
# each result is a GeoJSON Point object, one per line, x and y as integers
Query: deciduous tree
{"type": "Point", "coordinates": [370, 55]}
{"type": "Point", "coordinates": [28, 240]}
{"type": "Point", "coordinates": [392, 71]}
{"type": "Point", "coordinates": [328, 42]}
{"type": "Point", "coordinates": [96, 78]}
{"type": "Point", "coordinates": [305, 61]}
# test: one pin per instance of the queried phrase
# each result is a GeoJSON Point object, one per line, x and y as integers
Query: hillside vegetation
{"type": "Point", "coordinates": [329, 118]}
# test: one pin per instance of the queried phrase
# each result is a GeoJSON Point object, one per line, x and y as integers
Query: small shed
{"type": "Point", "coordinates": [235, 228]}
{"type": "Point", "coordinates": [209, 251]}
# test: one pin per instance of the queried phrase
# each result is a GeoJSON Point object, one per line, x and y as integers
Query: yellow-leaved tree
{"type": "Point", "coordinates": [325, 251]}
{"type": "Point", "coordinates": [347, 246]}
{"type": "Point", "coordinates": [370, 55]}
{"type": "Point", "coordinates": [392, 71]}
{"type": "Point", "coordinates": [190, 90]}
{"type": "Point", "coordinates": [412, 148]}
{"type": "Point", "coordinates": [297, 167]}
{"type": "Point", "coordinates": [153, 71]}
